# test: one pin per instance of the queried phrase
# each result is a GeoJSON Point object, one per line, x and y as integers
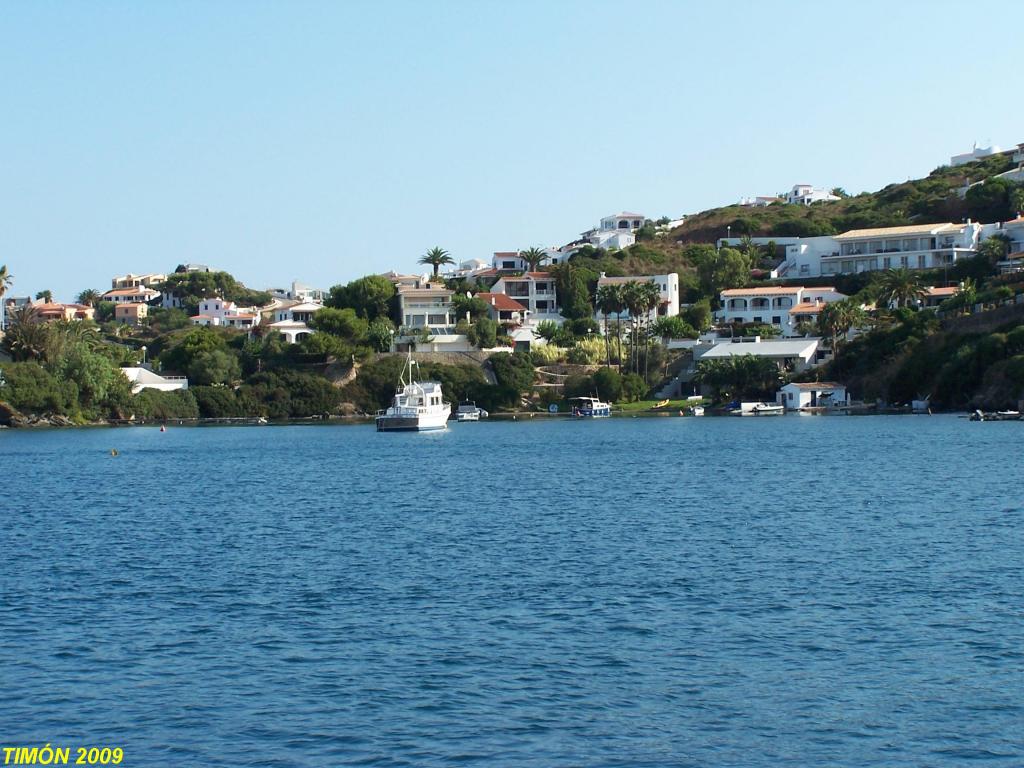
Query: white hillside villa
{"type": "Point", "coordinates": [533, 290]}
{"type": "Point", "coordinates": [219, 312]}
{"type": "Point", "coordinates": [784, 307]}
{"type": "Point", "coordinates": [133, 295]}
{"type": "Point", "coordinates": [976, 153]}
{"type": "Point", "coordinates": [291, 321]}
{"type": "Point", "coordinates": [805, 194]}
{"type": "Point", "coordinates": [151, 280]}
{"type": "Point", "coordinates": [429, 307]}
{"type": "Point", "coordinates": [623, 220]}
{"type": "Point", "coordinates": [298, 292]}
{"type": "Point", "coordinates": [668, 293]}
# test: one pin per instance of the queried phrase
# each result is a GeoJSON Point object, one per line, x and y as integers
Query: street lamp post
{"type": "Point", "coordinates": [143, 355]}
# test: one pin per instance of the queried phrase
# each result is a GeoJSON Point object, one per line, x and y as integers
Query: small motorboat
{"type": "Point", "coordinates": [470, 411]}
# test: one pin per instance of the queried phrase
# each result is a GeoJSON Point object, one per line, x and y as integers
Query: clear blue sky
{"type": "Point", "coordinates": [323, 141]}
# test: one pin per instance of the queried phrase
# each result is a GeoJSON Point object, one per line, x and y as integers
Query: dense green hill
{"type": "Point", "coordinates": [931, 199]}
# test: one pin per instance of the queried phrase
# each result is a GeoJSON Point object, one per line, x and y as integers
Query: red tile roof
{"type": "Point", "coordinates": [500, 301]}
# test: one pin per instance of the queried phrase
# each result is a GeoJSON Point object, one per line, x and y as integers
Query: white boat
{"type": "Point", "coordinates": [696, 410]}
{"type": "Point", "coordinates": [590, 408]}
{"type": "Point", "coordinates": [759, 409]}
{"type": "Point", "coordinates": [470, 412]}
{"type": "Point", "coordinates": [418, 406]}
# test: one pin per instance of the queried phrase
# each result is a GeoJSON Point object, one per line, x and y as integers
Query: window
{"type": "Point", "coordinates": [508, 265]}
{"type": "Point", "coordinates": [776, 320]}
{"type": "Point", "coordinates": [886, 262]}
{"type": "Point", "coordinates": [758, 320]}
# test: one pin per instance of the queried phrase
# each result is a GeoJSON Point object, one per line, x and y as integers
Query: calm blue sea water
{"type": "Point", "coordinates": [630, 592]}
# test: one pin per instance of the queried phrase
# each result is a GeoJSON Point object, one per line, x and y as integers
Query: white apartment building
{"type": "Point", "coordinates": [535, 291]}
{"type": "Point", "coordinates": [668, 294]}
{"type": "Point", "coordinates": [919, 246]}
{"type": "Point", "coordinates": [784, 307]}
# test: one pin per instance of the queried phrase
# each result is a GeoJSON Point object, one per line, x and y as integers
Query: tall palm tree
{"type": "Point", "coordinates": [435, 257]}
{"type": "Point", "coordinates": [901, 287]}
{"type": "Point", "coordinates": [46, 295]}
{"type": "Point", "coordinates": [650, 296]}
{"type": "Point", "coordinates": [90, 297]}
{"type": "Point", "coordinates": [632, 302]}
{"type": "Point", "coordinates": [607, 300]}
{"type": "Point", "coordinates": [533, 257]}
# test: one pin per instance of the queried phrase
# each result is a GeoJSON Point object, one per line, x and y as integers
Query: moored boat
{"type": "Point", "coordinates": [590, 408]}
{"type": "Point", "coordinates": [418, 406]}
{"type": "Point", "coordinates": [470, 411]}
{"type": "Point", "coordinates": [758, 409]}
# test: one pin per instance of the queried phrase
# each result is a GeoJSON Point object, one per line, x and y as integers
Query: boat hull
{"type": "Point", "coordinates": [425, 423]}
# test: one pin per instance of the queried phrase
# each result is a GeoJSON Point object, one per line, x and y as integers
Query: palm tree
{"type": "Point", "coordinates": [838, 317]}
{"type": "Point", "coordinates": [45, 295]}
{"type": "Point", "coordinates": [533, 257]}
{"type": "Point", "coordinates": [901, 287]}
{"type": "Point", "coordinates": [650, 296]}
{"type": "Point", "coordinates": [607, 302]}
{"type": "Point", "coordinates": [27, 338]}
{"type": "Point", "coordinates": [632, 301]}
{"type": "Point", "coordinates": [6, 280]}
{"type": "Point", "coordinates": [90, 297]}
{"type": "Point", "coordinates": [436, 256]}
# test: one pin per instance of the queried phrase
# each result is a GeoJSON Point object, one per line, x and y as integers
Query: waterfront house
{"type": "Point", "coordinates": [131, 314]}
{"type": "Point", "coordinates": [817, 394]}
{"type": "Point", "coordinates": [132, 295]}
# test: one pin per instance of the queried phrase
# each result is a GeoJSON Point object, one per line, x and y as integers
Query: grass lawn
{"type": "Point", "coordinates": [646, 405]}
